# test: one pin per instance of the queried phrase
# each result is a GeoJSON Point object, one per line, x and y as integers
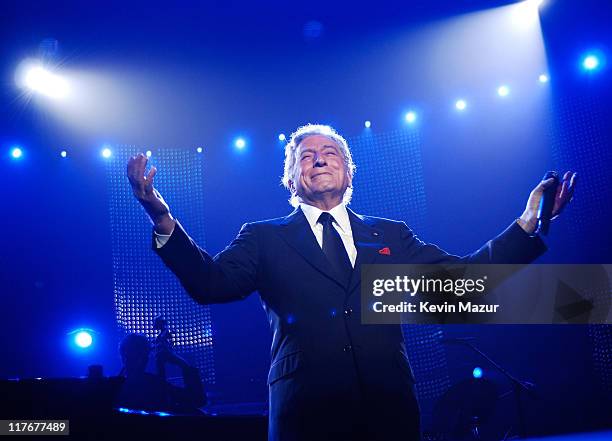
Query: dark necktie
{"type": "Point", "coordinates": [333, 248]}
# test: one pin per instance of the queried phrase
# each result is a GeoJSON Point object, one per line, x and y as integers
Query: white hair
{"type": "Point", "coordinates": [291, 159]}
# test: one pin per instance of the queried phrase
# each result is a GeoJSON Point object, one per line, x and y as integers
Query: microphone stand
{"type": "Point", "coordinates": [517, 385]}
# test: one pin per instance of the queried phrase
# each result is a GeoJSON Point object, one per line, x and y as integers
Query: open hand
{"type": "Point", "coordinates": [147, 195]}
{"type": "Point", "coordinates": [565, 192]}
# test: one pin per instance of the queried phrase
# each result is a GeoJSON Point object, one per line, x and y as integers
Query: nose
{"type": "Point", "coordinates": [319, 160]}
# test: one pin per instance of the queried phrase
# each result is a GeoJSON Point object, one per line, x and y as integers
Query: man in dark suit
{"type": "Point", "coordinates": [331, 377]}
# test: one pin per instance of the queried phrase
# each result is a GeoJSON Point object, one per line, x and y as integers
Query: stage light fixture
{"type": "Point", "coordinates": [148, 153]}
{"type": "Point", "coordinates": [410, 117]}
{"type": "Point", "coordinates": [282, 137]}
{"type": "Point", "coordinates": [477, 372]}
{"type": "Point", "coordinates": [591, 62]}
{"type": "Point", "coordinates": [107, 152]}
{"type": "Point", "coordinates": [543, 78]}
{"type": "Point", "coordinates": [40, 80]}
{"type": "Point", "coordinates": [240, 143]}
{"type": "Point", "coordinates": [63, 153]}
{"type": "Point", "coordinates": [367, 124]}
{"type": "Point", "coordinates": [16, 153]}
{"type": "Point", "coordinates": [199, 150]}
{"type": "Point", "coordinates": [503, 91]}
{"type": "Point", "coordinates": [460, 105]}
{"type": "Point", "coordinates": [525, 15]}
{"type": "Point", "coordinates": [83, 339]}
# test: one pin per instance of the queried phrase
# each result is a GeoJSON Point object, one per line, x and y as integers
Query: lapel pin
{"type": "Point", "coordinates": [386, 251]}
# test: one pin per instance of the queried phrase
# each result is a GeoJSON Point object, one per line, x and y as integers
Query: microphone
{"type": "Point", "coordinates": [547, 202]}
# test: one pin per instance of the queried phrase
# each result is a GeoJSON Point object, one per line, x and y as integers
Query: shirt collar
{"type": "Point", "coordinates": [339, 212]}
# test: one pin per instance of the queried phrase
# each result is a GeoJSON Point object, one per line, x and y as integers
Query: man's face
{"type": "Point", "coordinates": [320, 170]}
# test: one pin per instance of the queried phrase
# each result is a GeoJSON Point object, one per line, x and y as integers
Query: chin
{"type": "Point", "coordinates": [325, 189]}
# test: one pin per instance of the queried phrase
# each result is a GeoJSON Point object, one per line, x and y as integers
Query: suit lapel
{"type": "Point", "coordinates": [297, 233]}
{"type": "Point", "coordinates": [368, 240]}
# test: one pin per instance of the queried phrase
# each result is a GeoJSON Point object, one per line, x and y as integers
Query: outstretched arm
{"type": "Point", "coordinates": [513, 246]}
{"type": "Point", "coordinates": [229, 276]}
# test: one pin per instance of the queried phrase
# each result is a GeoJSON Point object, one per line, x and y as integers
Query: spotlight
{"type": "Point", "coordinates": [240, 143]}
{"type": "Point", "coordinates": [591, 62]}
{"type": "Point", "coordinates": [543, 78]}
{"type": "Point", "coordinates": [148, 153]}
{"type": "Point", "coordinates": [83, 339]}
{"type": "Point", "coordinates": [525, 15]}
{"type": "Point", "coordinates": [503, 91]}
{"type": "Point", "coordinates": [477, 372]}
{"type": "Point", "coordinates": [199, 150]}
{"type": "Point", "coordinates": [460, 104]}
{"type": "Point", "coordinates": [410, 117]}
{"type": "Point", "coordinates": [367, 124]}
{"type": "Point", "coordinates": [282, 137]}
{"type": "Point", "coordinates": [107, 152]}
{"type": "Point", "coordinates": [63, 153]}
{"type": "Point", "coordinates": [16, 152]}
{"type": "Point", "coordinates": [40, 80]}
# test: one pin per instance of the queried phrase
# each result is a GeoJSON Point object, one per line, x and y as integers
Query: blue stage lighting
{"type": "Point", "coordinates": [525, 14]}
{"type": "Point", "coordinates": [367, 124]}
{"type": "Point", "coordinates": [107, 152]}
{"type": "Point", "coordinates": [142, 412]}
{"type": "Point", "coordinates": [591, 62]}
{"type": "Point", "coordinates": [16, 153]}
{"type": "Point", "coordinates": [503, 91]}
{"type": "Point", "coordinates": [282, 137]}
{"type": "Point", "coordinates": [410, 117]}
{"type": "Point", "coordinates": [460, 105]}
{"type": "Point", "coordinates": [543, 78]}
{"type": "Point", "coordinates": [149, 153]}
{"type": "Point", "coordinates": [63, 153]}
{"type": "Point", "coordinates": [83, 339]}
{"type": "Point", "coordinates": [240, 143]}
{"type": "Point", "coordinates": [199, 149]}
{"type": "Point", "coordinates": [477, 372]}
{"type": "Point", "coordinates": [40, 80]}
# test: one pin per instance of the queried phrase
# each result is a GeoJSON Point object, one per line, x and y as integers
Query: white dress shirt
{"type": "Point", "coordinates": [341, 223]}
{"type": "Point", "coordinates": [161, 239]}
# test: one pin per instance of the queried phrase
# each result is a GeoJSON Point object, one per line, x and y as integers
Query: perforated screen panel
{"type": "Point", "coordinates": [143, 286]}
{"type": "Point", "coordinates": [581, 142]}
{"type": "Point", "coordinates": [601, 336]}
{"type": "Point", "coordinates": [389, 177]}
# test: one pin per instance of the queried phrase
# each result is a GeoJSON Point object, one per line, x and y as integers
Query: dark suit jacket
{"type": "Point", "coordinates": [330, 377]}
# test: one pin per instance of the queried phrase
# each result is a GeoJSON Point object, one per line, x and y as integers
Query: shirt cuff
{"type": "Point", "coordinates": [161, 239]}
